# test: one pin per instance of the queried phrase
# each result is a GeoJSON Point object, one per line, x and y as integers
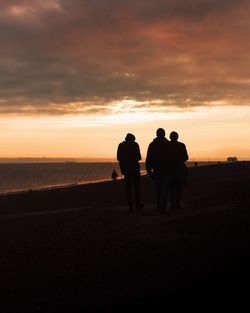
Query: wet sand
{"type": "Point", "coordinates": [78, 249]}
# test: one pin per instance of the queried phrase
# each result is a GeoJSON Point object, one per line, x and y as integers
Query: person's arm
{"type": "Point", "coordinates": [184, 153]}
{"type": "Point", "coordinates": [120, 158]}
{"type": "Point", "coordinates": [118, 154]}
{"type": "Point", "coordinates": [138, 156]}
{"type": "Point", "coordinates": [149, 161]}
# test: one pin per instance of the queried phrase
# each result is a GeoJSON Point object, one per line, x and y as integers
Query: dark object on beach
{"type": "Point", "coordinates": [232, 159]}
{"type": "Point", "coordinates": [178, 170]}
{"type": "Point", "coordinates": [128, 155]}
{"type": "Point", "coordinates": [114, 175]}
{"type": "Point", "coordinates": [158, 167]}
{"type": "Point", "coordinates": [195, 163]}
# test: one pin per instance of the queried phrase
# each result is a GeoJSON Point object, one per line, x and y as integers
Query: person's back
{"type": "Point", "coordinates": [128, 155]}
{"type": "Point", "coordinates": [158, 167]}
{"type": "Point", "coordinates": [158, 156]}
{"type": "Point", "coordinates": [179, 154]}
{"type": "Point", "coordinates": [178, 170]}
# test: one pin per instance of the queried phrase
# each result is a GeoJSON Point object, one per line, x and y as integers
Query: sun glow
{"type": "Point", "coordinates": [125, 113]}
{"type": "Point", "coordinates": [213, 132]}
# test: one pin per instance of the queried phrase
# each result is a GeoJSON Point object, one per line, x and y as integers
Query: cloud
{"type": "Point", "coordinates": [66, 57]}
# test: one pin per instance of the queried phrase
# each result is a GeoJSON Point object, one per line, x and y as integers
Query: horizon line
{"type": "Point", "coordinates": [101, 159]}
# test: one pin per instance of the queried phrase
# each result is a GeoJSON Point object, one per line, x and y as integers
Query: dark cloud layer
{"type": "Point", "coordinates": [61, 56]}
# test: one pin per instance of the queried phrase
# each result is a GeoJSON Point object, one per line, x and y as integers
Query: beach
{"type": "Point", "coordinates": [78, 249]}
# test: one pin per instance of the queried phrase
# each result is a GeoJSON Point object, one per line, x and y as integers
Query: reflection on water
{"type": "Point", "coordinates": [17, 177]}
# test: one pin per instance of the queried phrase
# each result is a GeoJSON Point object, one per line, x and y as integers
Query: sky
{"type": "Point", "coordinates": [78, 75]}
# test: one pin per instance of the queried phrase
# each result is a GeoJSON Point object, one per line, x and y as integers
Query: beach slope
{"type": "Point", "coordinates": [78, 249]}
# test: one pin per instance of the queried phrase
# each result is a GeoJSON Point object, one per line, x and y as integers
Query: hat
{"type": "Point", "coordinates": [130, 137]}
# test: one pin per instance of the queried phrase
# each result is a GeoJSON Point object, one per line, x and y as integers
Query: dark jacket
{"type": "Point", "coordinates": [128, 155]}
{"type": "Point", "coordinates": [158, 157]}
{"type": "Point", "coordinates": [179, 152]}
{"type": "Point", "coordinates": [179, 157]}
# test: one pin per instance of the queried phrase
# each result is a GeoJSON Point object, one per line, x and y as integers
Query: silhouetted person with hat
{"type": "Point", "coordinates": [178, 170]}
{"type": "Point", "coordinates": [158, 167]}
{"type": "Point", "coordinates": [128, 155]}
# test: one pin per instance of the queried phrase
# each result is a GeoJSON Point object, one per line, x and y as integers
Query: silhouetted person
{"type": "Point", "coordinates": [128, 155]}
{"type": "Point", "coordinates": [158, 167]}
{"type": "Point", "coordinates": [114, 175]}
{"type": "Point", "coordinates": [178, 170]}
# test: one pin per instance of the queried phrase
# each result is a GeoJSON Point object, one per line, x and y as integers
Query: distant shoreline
{"type": "Point", "coordinates": [93, 160]}
{"type": "Point", "coordinates": [83, 183]}
{"type": "Point", "coordinates": [52, 160]}
{"type": "Point", "coordinates": [53, 187]}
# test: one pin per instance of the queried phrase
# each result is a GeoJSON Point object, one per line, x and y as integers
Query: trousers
{"type": "Point", "coordinates": [132, 182]}
{"type": "Point", "coordinates": [162, 183]}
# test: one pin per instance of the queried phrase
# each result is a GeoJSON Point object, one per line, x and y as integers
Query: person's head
{"type": "Point", "coordinates": [174, 136]}
{"type": "Point", "coordinates": [160, 133]}
{"type": "Point", "coordinates": [130, 138]}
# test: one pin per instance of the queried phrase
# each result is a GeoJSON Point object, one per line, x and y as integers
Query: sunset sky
{"type": "Point", "coordinates": [77, 75]}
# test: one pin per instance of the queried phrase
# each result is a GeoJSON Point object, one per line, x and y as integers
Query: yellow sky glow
{"type": "Point", "coordinates": [209, 132]}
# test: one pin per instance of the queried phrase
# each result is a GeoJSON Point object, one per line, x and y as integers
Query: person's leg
{"type": "Point", "coordinates": [165, 191]}
{"type": "Point", "coordinates": [158, 192]}
{"type": "Point", "coordinates": [161, 190]}
{"type": "Point", "coordinates": [178, 193]}
{"type": "Point", "coordinates": [128, 184]}
{"type": "Point", "coordinates": [172, 193]}
{"type": "Point", "coordinates": [137, 191]}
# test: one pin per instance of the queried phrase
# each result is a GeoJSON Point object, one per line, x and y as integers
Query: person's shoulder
{"type": "Point", "coordinates": [151, 143]}
{"type": "Point", "coordinates": [155, 141]}
{"type": "Point", "coordinates": [151, 147]}
{"type": "Point", "coordinates": [180, 144]}
{"type": "Point", "coordinates": [167, 143]}
{"type": "Point", "coordinates": [182, 147]}
{"type": "Point", "coordinates": [121, 146]}
{"type": "Point", "coordinates": [122, 143]}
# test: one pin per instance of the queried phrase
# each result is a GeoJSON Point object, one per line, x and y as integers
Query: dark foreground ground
{"type": "Point", "coordinates": [77, 249]}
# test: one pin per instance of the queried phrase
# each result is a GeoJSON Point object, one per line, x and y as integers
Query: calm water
{"type": "Point", "coordinates": [19, 177]}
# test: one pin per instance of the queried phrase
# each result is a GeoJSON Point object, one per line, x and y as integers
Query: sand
{"type": "Point", "coordinates": [78, 249]}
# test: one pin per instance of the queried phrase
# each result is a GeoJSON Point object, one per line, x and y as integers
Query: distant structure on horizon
{"type": "Point", "coordinates": [232, 159]}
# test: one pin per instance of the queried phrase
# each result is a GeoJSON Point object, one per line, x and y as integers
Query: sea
{"type": "Point", "coordinates": [34, 176]}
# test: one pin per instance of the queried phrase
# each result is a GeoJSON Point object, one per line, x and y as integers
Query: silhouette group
{"type": "Point", "coordinates": [165, 164]}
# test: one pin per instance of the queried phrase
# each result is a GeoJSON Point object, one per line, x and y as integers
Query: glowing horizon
{"type": "Point", "coordinates": [52, 136]}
